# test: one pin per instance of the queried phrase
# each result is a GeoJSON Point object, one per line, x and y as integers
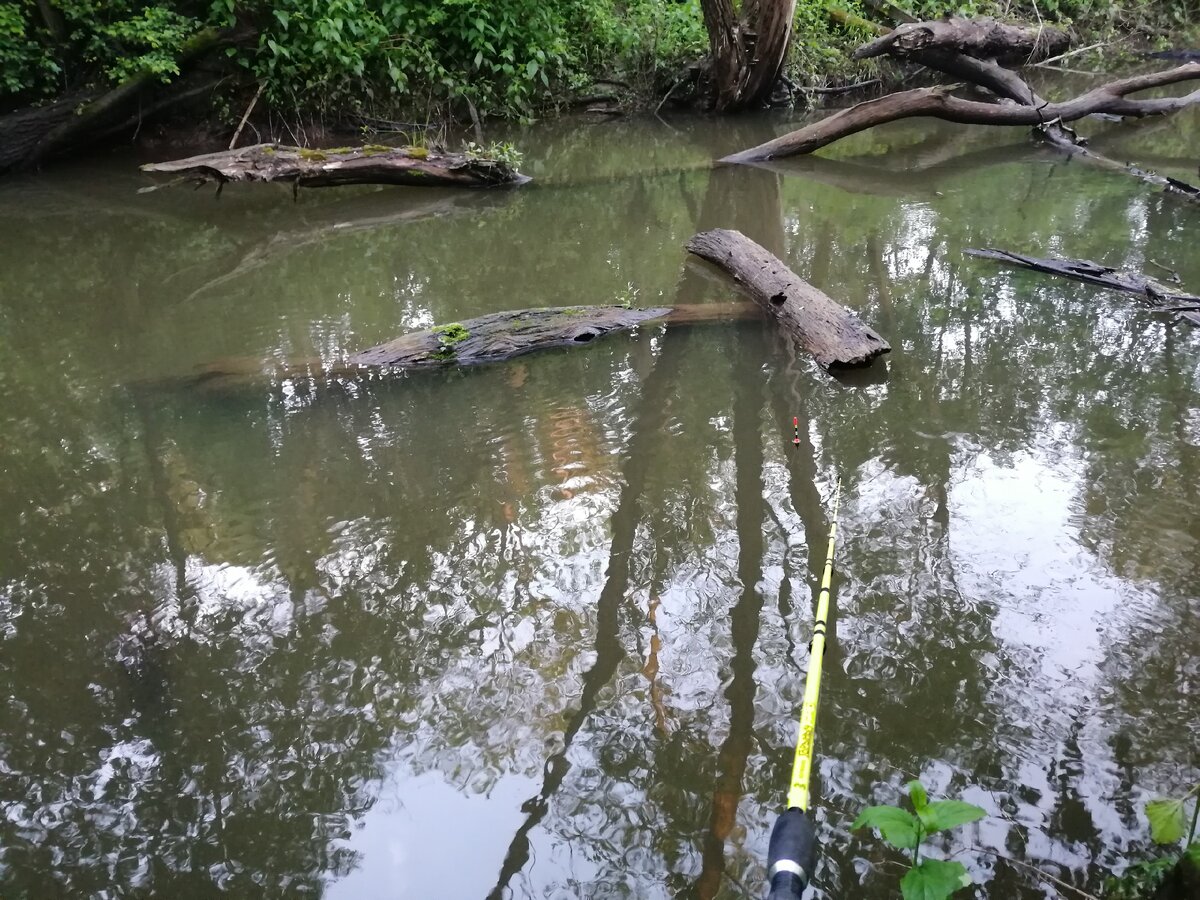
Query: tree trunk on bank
{"type": "Point", "coordinates": [747, 52]}
{"type": "Point", "coordinates": [834, 335]}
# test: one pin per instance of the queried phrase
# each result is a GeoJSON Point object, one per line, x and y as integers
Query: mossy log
{"type": "Point", "coordinates": [477, 341]}
{"type": "Point", "coordinates": [982, 38]}
{"type": "Point", "coordinates": [371, 164]}
{"type": "Point", "coordinates": [1154, 294]}
{"type": "Point", "coordinates": [835, 336]}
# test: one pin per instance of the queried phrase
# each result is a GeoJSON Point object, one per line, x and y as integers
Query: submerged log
{"type": "Point", "coordinates": [937, 102]}
{"type": "Point", "coordinates": [477, 341]}
{"type": "Point", "coordinates": [1156, 295]}
{"type": "Point", "coordinates": [982, 38]}
{"type": "Point", "coordinates": [834, 335]}
{"type": "Point", "coordinates": [371, 164]}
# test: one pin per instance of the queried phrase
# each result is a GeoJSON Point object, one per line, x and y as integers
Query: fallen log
{"type": "Point", "coordinates": [937, 102]}
{"type": "Point", "coordinates": [1153, 293]}
{"type": "Point", "coordinates": [472, 342]}
{"type": "Point", "coordinates": [834, 335]}
{"type": "Point", "coordinates": [370, 164]}
{"type": "Point", "coordinates": [982, 38]}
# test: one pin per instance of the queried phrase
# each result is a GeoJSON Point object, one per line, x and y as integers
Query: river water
{"type": "Point", "coordinates": [540, 629]}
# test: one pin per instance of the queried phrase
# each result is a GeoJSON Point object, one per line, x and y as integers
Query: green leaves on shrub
{"type": "Point", "coordinates": [929, 879]}
{"type": "Point", "coordinates": [1166, 820]}
{"type": "Point", "coordinates": [933, 879]}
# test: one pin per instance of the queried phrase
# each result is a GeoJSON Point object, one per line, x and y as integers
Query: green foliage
{"type": "Point", "coordinates": [1167, 821]}
{"type": "Point", "coordinates": [1139, 881]}
{"type": "Point", "coordinates": [23, 65]}
{"type": "Point", "coordinates": [1168, 825]}
{"type": "Point", "coordinates": [929, 879]}
{"type": "Point", "coordinates": [500, 151]}
{"type": "Point", "coordinates": [933, 879]}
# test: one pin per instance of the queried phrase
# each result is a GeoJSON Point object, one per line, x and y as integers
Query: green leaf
{"type": "Point", "coordinates": [916, 793]}
{"type": "Point", "coordinates": [942, 815]}
{"type": "Point", "coordinates": [1166, 820]}
{"type": "Point", "coordinates": [934, 879]}
{"type": "Point", "coordinates": [899, 828]}
{"type": "Point", "coordinates": [531, 68]}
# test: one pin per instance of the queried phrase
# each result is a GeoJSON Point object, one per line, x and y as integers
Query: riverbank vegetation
{"type": "Point", "coordinates": [431, 60]}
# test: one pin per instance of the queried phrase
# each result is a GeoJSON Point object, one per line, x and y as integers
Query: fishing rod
{"type": "Point", "coordinates": [792, 851]}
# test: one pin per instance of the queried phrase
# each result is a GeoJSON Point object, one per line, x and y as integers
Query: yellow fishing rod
{"type": "Point", "coordinates": [792, 852]}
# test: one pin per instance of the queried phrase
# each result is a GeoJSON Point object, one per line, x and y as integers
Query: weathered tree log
{"type": "Point", "coordinates": [937, 102]}
{"type": "Point", "coordinates": [1156, 295]}
{"type": "Point", "coordinates": [834, 335]}
{"type": "Point", "coordinates": [371, 164]}
{"type": "Point", "coordinates": [982, 38]}
{"type": "Point", "coordinates": [477, 341]}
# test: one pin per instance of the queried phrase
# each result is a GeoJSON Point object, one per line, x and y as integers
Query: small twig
{"type": "Point", "coordinates": [1174, 275]}
{"type": "Point", "coordinates": [1044, 874]}
{"type": "Point", "coordinates": [246, 115]}
{"type": "Point", "coordinates": [668, 94]}
{"type": "Point", "coordinates": [844, 89]}
{"type": "Point", "coordinates": [1048, 63]}
{"type": "Point", "coordinates": [475, 121]}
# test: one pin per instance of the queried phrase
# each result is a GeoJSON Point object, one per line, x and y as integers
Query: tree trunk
{"type": "Point", "coordinates": [344, 165]}
{"type": "Point", "coordinates": [490, 338]}
{"type": "Point", "coordinates": [982, 38]}
{"type": "Point", "coordinates": [826, 329]}
{"type": "Point", "coordinates": [748, 52]}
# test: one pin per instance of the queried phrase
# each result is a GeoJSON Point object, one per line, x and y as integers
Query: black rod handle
{"type": "Point", "coordinates": [791, 855]}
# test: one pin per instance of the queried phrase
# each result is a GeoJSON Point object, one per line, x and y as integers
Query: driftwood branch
{"type": "Point", "coordinates": [344, 165]}
{"type": "Point", "coordinates": [983, 38]}
{"type": "Point", "coordinates": [834, 335]}
{"type": "Point", "coordinates": [1156, 295]}
{"type": "Point", "coordinates": [477, 341]}
{"type": "Point", "coordinates": [937, 102]}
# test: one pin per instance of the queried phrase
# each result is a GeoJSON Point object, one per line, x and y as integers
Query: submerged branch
{"type": "Point", "coordinates": [1156, 295]}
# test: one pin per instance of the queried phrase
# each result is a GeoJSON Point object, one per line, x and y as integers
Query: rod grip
{"type": "Point", "coordinates": [791, 855]}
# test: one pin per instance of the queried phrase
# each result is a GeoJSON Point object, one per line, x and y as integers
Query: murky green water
{"type": "Point", "coordinates": [540, 629]}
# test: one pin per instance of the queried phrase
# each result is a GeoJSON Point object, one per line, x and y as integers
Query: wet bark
{"type": "Point", "coordinates": [345, 165]}
{"type": "Point", "coordinates": [831, 333]}
{"type": "Point", "coordinates": [937, 102]}
{"type": "Point", "coordinates": [484, 339]}
{"type": "Point", "coordinates": [747, 52]}
{"type": "Point", "coordinates": [1156, 295]}
{"type": "Point", "coordinates": [982, 38]}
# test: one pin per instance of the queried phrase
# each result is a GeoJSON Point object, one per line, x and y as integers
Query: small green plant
{"type": "Point", "coordinates": [926, 879]}
{"type": "Point", "coordinates": [500, 151]}
{"type": "Point", "coordinates": [449, 337]}
{"type": "Point", "coordinates": [629, 296]}
{"type": "Point", "coordinates": [1168, 826]}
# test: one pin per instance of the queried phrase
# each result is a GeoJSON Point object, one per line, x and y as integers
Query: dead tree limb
{"type": "Point", "coordinates": [982, 38]}
{"type": "Point", "coordinates": [343, 165]}
{"type": "Point", "coordinates": [490, 338]}
{"type": "Point", "coordinates": [1154, 294]}
{"type": "Point", "coordinates": [834, 335]}
{"type": "Point", "coordinates": [937, 102]}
